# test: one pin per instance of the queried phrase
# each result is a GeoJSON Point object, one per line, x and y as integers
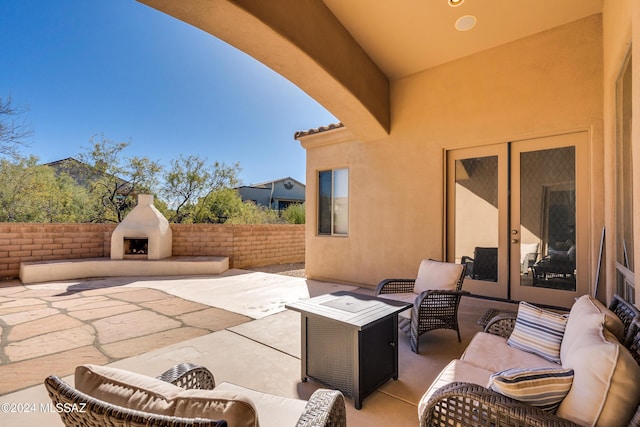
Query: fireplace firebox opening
{"type": "Point", "coordinates": [136, 247]}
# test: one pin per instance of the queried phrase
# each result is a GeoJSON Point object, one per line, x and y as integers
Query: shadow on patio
{"type": "Point", "coordinates": [147, 325]}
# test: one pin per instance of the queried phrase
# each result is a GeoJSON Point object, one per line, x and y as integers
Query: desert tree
{"type": "Point", "coordinates": [14, 131]}
{"type": "Point", "coordinates": [190, 182]}
{"type": "Point", "coordinates": [115, 179]}
{"type": "Point", "coordinates": [32, 192]}
{"type": "Point", "coordinates": [186, 181]}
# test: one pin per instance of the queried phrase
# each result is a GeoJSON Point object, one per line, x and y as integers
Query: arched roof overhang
{"type": "Point", "coordinates": [305, 43]}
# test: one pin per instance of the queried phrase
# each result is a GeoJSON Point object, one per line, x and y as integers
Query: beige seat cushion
{"type": "Point", "coordinates": [436, 275]}
{"type": "Point", "coordinates": [147, 394]}
{"type": "Point", "coordinates": [606, 383]}
{"type": "Point", "coordinates": [492, 353]}
{"type": "Point", "coordinates": [275, 411]}
{"type": "Point", "coordinates": [456, 370]}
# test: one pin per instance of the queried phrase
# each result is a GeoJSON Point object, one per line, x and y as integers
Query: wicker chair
{"type": "Point", "coordinates": [460, 403]}
{"type": "Point", "coordinates": [627, 313]}
{"type": "Point", "coordinates": [633, 344]}
{"type": "Point", "coordinates": [633, 339]}
{"type": "Point", "coordinates": [432, 308]}
{"type": "Point", "coordinates": [325, 408]}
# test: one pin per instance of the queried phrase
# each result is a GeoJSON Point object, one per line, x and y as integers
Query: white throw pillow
{"type": "Point", "coordinates": [606, 385]}
{"type": "Point", "coordinates": [588, 311]}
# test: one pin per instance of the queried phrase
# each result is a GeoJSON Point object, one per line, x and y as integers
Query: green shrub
{"type": "Point", "coordinates": [294, 214]}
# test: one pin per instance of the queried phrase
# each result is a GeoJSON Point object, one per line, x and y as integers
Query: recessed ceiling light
{"type": "Point", "coordinates": [466, 23]}
{"type": "Point", "coordinates": [455, 3]}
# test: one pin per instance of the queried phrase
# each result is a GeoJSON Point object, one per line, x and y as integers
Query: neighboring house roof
{"type": "Point", "coordinates": [275, 192]}
{"type": "Point", "coordinates": [267, 184]}
{"type": "Point", "coordinates": [81, 172]}
{"type": "Point", "coordinates": [320, 129]}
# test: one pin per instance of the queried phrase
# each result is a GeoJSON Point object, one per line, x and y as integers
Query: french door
{"type": "Point", "coordinates": [517, 217]}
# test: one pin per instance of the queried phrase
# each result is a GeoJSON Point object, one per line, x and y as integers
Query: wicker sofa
{"type": "Point", "coordinates": [599, 346]}
{"type": "Point", "coordinates": [185, 395]}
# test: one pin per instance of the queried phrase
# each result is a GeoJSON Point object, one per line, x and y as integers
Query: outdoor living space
{"type": "Point", "coordinates": [499, 137]}
{"type": "Point", "coordinates": [235, 324]}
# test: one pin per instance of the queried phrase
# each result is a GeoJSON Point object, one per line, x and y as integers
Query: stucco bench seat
{"type": "Point", "coordinates": [604, 389]}
{"type": "Point", "coordinates": [70, 269]}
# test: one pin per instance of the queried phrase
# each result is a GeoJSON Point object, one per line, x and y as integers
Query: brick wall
{"type": "Point", "coordinates": [245, 245]}
{"type": "Point", "coordinates": [267, 244]}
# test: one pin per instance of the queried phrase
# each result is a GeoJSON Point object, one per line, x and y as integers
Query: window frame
{"type": "Point", "coordinates": [332, 203]}
{"type": "Point", "coordinates": [625, 276]}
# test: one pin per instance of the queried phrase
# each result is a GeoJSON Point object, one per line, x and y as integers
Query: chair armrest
{"type": "Point", "coordinates": [445, 292]}
{"type": "Point", "coordinates": [432, 294]}
{"type": "Point", "coordinates": [395, 286]}
{"type": "Point", "coordinates": [471, 404]}
{"type": "Point", "coordinates": [501, 325]}
{"type": "Point", "coordinates": [189, 376]}
{"type": "Point", "coordinates": [325, 408]}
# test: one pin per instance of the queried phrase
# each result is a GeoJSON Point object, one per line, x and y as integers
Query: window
{"type": "Point", "coordinates": [625, 280]}
{"type": "Point", "coordinates": [333, 202]}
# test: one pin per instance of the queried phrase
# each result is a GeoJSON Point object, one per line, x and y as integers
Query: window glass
{"type": "Point", "coordinates": [341, 201]}
{"type": "Point", "coordinates": [624, 202]}
{"type": "Point", "coordinates": [333, 202]}
{"type": "Point", "coordinates": [624, 187]}
{"type": "Point", "coordinates": [324, 202]}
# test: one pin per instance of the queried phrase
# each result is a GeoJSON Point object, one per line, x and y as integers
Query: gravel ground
{"type": "Point", "coordinates": [295, 270]}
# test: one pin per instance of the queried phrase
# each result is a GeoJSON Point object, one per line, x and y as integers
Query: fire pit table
{"type": "Point", "coordinates": [349, 341]}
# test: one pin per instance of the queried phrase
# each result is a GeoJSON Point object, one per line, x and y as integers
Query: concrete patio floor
{"type": "Point", "coordinates": [235, 324]}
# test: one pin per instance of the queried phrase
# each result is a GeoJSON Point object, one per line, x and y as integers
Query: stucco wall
{"type": "Point", "coordinates": [245, 245]}
{"type": "Point", "coordinates": [546, 84]}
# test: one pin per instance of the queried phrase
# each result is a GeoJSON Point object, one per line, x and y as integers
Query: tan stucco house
{"type": "Point", "coordinates": [511, 126]}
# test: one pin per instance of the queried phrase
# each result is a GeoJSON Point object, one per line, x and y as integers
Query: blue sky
{"type": "Point", "coordinates": [122, 69]}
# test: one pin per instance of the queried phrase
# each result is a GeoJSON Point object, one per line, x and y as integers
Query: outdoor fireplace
{"type": "Point", "coordinates": [144, 233]}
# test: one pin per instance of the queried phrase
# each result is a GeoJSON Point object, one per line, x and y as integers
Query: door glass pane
{"type": "Point", "coordinates": [476, 216]}
{"type": "Point", "coordinates": [548, 218]}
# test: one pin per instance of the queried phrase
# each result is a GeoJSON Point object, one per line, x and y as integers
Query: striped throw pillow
{"type": "Point", "coordinates": [541, 387]}
{"type": "Point", "coordinates": [538, 331]}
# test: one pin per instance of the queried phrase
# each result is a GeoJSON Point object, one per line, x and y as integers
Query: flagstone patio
{"type": "Point", "coordinates": [234, 323]}
{"type": "Point", "coordinates": [42, 328]}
